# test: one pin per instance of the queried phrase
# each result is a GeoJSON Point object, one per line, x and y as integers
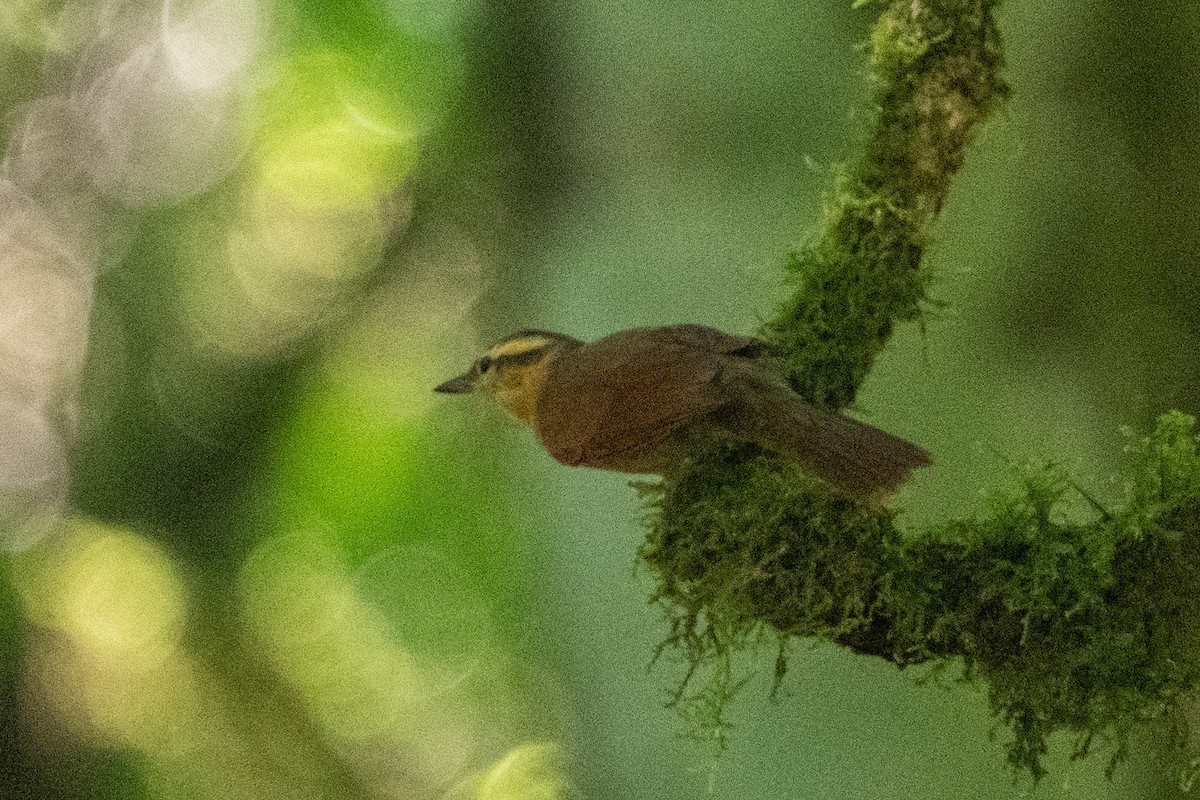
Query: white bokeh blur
{"type": "Point", "coordinates": [45, 300]}
{"type": "Point", "coordinates": [140, 107]}
{"type": "Point", "coordinates": [161, 106]}
{"type": "Point", "coordinates": [145, 107]}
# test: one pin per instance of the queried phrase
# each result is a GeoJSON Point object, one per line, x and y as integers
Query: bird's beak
{"type": "Point", "coordinates": [459, 385]}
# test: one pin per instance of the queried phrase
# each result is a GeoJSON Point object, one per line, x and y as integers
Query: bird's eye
{"type": "Point", "coordinates": [485, 364]}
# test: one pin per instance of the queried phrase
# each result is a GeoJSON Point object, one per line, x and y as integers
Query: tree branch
{"type": "Point", "coordinates": [936, 67]}
{"type": "Point", "coordinates": [1079, 626]}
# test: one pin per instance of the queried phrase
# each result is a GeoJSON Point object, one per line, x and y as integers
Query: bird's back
{"type": "Point", "coordinates": [615, 403]}
{"type": "Point", "coordinates": [635, 400]}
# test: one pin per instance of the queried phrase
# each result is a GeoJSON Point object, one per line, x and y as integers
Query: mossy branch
{"type": "Point", "coordinates": [1082, 626]}
{"type": "Point", "coordinates": [936, 68]}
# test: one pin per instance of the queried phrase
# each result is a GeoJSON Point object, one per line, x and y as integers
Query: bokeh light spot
{"type": "Point", "coordinates": [315, 211]}
{"type": "Point", "coordinates": [208, 47]}
{"type": "Point", "coordinates": [115, 593]}
{"type": "Point", "coordinates": [428, 17]}
{"type": "Point", "coordinates": [436, 607]}
{"type": "Point", "coordinates": [31, 452]}
{"type": "Point", "coordinates": [157, 140]}
{"type": "Point", "coordinates": [375, 704]}
{"type": "Point", "coordinates": [143, 707]}
{"type": "Point", "coordinates": [330, 140]}
{"type": "Point", "coordinates": [529, 772]}
{"type": "Point", "coordinates": [122, 596]}
{"type": "Point", "coordinates": [43, 326]}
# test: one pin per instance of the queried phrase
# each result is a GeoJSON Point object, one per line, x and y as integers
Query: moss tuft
{"type": "Point", "coordinates": [859, 280]}
{"type": "Point", "coordinates": [743, 545]}
{"type": "Point", "coordinates": [741, 533]}
{"type": "Point", "coordinates": [1079, 626]}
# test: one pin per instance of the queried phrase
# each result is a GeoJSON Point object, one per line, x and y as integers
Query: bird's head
{"type": "Point", "coordinates": [512, 371]}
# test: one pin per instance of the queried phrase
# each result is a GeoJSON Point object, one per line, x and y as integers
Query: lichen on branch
{"type": "Point", "coordinates": [1078, 618]}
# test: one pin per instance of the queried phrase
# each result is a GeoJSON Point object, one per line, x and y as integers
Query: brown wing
{"type": "Point", "coordinates": [702, 337]}
{"type": "Point", "coordinates": [859, 459]}
{"type": "Point", "coordinates": [612, 401]}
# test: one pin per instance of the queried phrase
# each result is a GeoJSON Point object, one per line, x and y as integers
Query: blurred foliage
{"type": "Point", "coordinates": [261, 561]}
{"type": "Point", "coordinates": [279, 602]}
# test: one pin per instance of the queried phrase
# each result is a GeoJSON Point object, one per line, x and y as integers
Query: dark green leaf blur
{"type": "Point", "coordinates": [247, 551]}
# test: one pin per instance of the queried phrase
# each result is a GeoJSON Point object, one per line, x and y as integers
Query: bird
{"type": "Point", "coordinates": [641, 400]}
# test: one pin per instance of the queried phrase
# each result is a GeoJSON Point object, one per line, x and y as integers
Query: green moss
{"type": "Point", "coordinates": [1080, 619]}
{"type": "Point", "coordinates": [746, 536]}
{"type": "Point", "coordinates": [858, 282]}
{"type": "Point", "coordinates": [936, 70]}
{"type": "Point", "coordinates": [1080, 626]}
{"type": "Point", "coordinates": [898, 43]}
{"type": "Point", "coordinates": [745, 546]}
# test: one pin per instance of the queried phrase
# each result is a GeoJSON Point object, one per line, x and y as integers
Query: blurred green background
{"type": "Point", "coordinates": [251, 554]}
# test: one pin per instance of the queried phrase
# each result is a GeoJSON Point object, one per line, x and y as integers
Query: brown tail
{"type": "Point", "coordinates": [856, 458]}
